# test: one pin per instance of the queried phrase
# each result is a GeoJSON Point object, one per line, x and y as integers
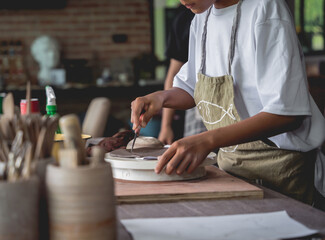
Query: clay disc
{"type": "Point", "coordinates": [145, 142]}
{"type": "Point", "coordinates": [150, 153]}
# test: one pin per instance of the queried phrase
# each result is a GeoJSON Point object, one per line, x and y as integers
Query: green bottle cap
{"type": "Point", "coordinates": [51, 109]}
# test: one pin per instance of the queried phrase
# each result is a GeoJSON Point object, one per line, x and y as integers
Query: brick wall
{"type": "Point", "coordinates": [84, 29]}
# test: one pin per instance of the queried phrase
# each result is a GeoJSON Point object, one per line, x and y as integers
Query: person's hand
{"type": "Point", "coordinates": [146, 107]}
{"type": "Point", "coordinates": [166, 135]}
{"type": "Point", "coordinates": [126, 135]}
{"type": "Point", "coordinates": [119, 140]}
{"type": "Point", "coordinates": [185, 154]}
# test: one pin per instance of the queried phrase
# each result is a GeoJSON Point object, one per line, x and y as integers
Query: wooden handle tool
{"type": "Point", "coordinates": [98, 155]}
{"type": "Point", "coordinates": [70, 127]}
{"type": "Point", "coordinates": [68, 158]}
{"type": "Point", "coordinates": [9, 106]}
{"type": "Point", "coordinates": [26, 172]}
{"type": "Point", "coordinates": [28, 97]}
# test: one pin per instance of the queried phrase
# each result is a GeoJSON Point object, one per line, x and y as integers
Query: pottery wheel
{"type": "Point", "coordinates": [136, 168]}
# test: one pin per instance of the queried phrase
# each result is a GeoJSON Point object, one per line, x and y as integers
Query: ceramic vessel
{"type": "Point", "coordinates": [19, 209]}
{"type": "Point", "coordinates": [41, 166]}
{"type": "Point", "coordinates": [81, 202]}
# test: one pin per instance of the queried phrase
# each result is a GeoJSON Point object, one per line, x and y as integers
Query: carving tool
{"type": "Point", "coordinates": [135, 132]}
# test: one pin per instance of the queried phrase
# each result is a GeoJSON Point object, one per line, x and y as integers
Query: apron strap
{"type": "Point", "coordinates": [203, 46]}
{"type": "Point", "coordinates": [231, 52]}
{"type": "Point", "coordinates": [234, 29]}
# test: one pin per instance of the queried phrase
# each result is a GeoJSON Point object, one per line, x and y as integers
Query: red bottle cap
{"type": "Point", "coordinates": [34, 106]}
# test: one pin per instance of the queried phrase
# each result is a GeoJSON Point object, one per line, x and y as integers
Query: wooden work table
{"type": "Point", "coordinates": [272, 201]}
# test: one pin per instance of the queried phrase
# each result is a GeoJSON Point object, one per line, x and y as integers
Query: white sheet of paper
{"type": "Point", "coordinates": [274, 225]}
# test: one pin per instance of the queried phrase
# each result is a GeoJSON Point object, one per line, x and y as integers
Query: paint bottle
{"type": "Point", "coordinates": [34, 106]}
{"type": "Point", "coordinates": [51, 108]}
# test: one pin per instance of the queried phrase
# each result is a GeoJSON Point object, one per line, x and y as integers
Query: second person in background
{"type": "Point", "coordinates": [177, 52]}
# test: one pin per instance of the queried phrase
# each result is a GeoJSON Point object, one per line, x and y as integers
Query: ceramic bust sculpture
{"type": "Point", "coordinates": [46, 52]}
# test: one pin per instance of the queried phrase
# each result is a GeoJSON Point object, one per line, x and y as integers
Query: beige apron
{"type": "Point", "coordinates": [289, 172]}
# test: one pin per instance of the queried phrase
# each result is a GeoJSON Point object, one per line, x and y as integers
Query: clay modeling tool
{"type": "Point", "coordinates": [39, 151]}
{"type": "Point", "coordinates": [28, 97]}
{"type": "Point", "coordinates": [135, 132]}
{"type": "Point", "coordinates": [26, 172]}
{"type": "Point", "coordinates": [17, 143]}
{"type": "Point", "coordinates": [135, 137]}
{"type": "Point", "coordinates": [52, 126]}
{"type": "Point", "coordinates": [3, 156]}
{"type": "Point", "coordinates": [98, 155]}
{"type": "Point", "coordinates": [70, 127]}
{"type": "Point", "coordinates": [9, 106]}
{"type": "Point", "coordinates": [12, 171]}
{"type": "Point", "coordinates": [68, 158]}
{"type": "Point", "coordinates": [2, 170]}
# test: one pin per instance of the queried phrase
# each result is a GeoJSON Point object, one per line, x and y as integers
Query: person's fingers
{"type": "Point", "coordinates": [163, 159]}
{"type": "Point", "coordinates": [137, 106]}
{"type": "Point", "coordinates": [184, 165]}
{"type": "Point", "coordinates": [141, 124]}
{"type": "Point", "coordinates": [173, 163]}
{"type": "Point", "coordinates": [142, 120]}
{"type": "Point", "coordinates": [194, 164]}
{"type": "Point", "coordinates": [123, 134]}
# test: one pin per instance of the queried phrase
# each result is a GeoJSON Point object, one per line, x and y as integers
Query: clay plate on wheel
{"type": "Point", "coordinates": [138, 169]}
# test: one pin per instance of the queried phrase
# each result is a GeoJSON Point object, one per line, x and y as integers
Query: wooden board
{"type": "Point", "coordinates": [215, 185]}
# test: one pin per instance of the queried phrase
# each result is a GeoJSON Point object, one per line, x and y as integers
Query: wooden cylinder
{"type": "Point", "coordinates": [19, 209]}
{"type": "Point", "coordinates": [81, 202]}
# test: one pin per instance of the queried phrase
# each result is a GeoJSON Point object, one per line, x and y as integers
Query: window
{"type": "Point", "coordinates": [309, 20]}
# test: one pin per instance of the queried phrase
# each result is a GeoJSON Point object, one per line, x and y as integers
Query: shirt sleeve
{"type": "Point", "coordinates": [280, 74]}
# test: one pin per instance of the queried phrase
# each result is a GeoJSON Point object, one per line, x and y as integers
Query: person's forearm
{"type": "Point", "coordinates": [260, 126]}
{"type": "Point", "coordinates": [177, 98]}
{"type": "Point", "coordinates": [151, 104]}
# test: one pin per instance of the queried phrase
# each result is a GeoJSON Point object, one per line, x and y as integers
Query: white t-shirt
{"type": "Point", "coordinates": [268, 67]}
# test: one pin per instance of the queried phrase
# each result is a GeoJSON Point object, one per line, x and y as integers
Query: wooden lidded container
{"type": "Point", "coordinates": [81, 202]}
{"type": "Point", "coordinates": [19, 209]}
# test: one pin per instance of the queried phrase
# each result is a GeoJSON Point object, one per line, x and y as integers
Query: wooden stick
{"type": "Point", "coordinates": [40, 144]}
{"type": "Point", "coordinates": [70, 127]}
{"type": "Point", "coordinates": [52, 126]}
{"type": "Point", "coordinates": [68, 158]}
{"type": "Point", "coordinates": [26, 172]}
{"type": "Point", "coordinates": [9, 106]}
{"type": "Point", "coordinates": [28, 97]}
{"type": "Point", "coordinates": [98, 154]}
{"type": "Point", "coordinates": [12, 172]}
